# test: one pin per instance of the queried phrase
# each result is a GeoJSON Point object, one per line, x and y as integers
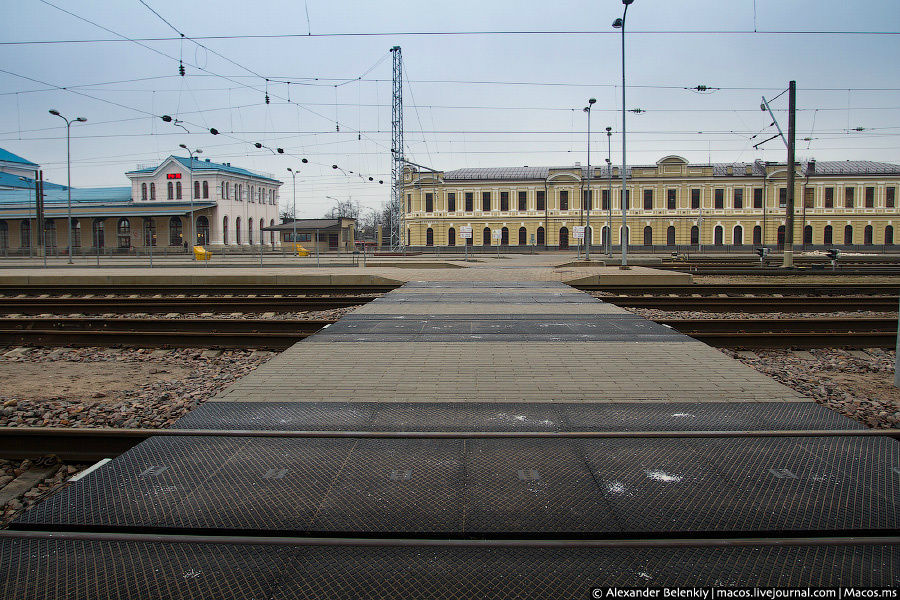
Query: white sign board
{"type": "Point", "coordinates": [578, 232]}
{"type": "Point", "coordinates": [465, 232]}
{"type": "Point", "coordinates": [497, 234]}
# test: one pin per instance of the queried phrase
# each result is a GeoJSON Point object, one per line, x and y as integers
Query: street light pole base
{"type": "Point", "coordinates": [624, 267]}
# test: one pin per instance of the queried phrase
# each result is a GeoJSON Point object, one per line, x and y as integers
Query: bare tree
{"type": "Point", "coordinates": [286, 214]}
{"type": "Point", "coordinates": [344, 209]}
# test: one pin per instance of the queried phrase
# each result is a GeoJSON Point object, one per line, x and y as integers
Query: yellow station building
{"type": "Point", "coordinates": [670, 204]}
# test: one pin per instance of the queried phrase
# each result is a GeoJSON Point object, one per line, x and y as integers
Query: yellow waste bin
{"type": "Point", "coordinates": [201, 253]}
{"type": "Point", "coordinates": [301, 251]}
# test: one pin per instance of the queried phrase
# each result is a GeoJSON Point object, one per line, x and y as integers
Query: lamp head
{"type": "Point", "coordinates": [290, 169]}
{"type": "Point", "coordinates": [592, 101]}
{"type": "Point", "coordinates": [280, 150]}
{"type": "Point", "coordinates": [304, 161]}
{"type": "Point", "coordinates": [214, 131]}
{"type": "Point", "coordinates": [198, 151]}
{"type": "Point", "coordinates": [618, 23]}
{"type": "Point", "coordinates": [258, 145]}
{"type": "Point", "coordinates": [334, 166]}
{"type": "Point", "coordinates": [55, 112]}
{"type": "Point", "coordinates": [182, 146]}
{"type": "Point", "coordinates": [81, 120]}
{"type": "Point", "coordinates": [166, 118]}
{"type": "Point", "coordinates": [586, 109]}
{"type": "Point", "coordinates": [627, 2]}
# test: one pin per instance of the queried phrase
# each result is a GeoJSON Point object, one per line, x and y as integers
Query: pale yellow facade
{"type": "Point", "coordinates": [670, 203]}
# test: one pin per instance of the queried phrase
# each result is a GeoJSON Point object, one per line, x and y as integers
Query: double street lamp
{"type": "Point", "coordinates": [588, 234]}
{"type": "Point", "coordinates": [609, 191]}
{"type": "Point", "coordinates": [620, 24]}
{"type": "Point", "coordinates": [191, 188]}
{"type": "Point", "coordinates": [55, 113]}
{"type": "Point", "coordinates": [294, 209]}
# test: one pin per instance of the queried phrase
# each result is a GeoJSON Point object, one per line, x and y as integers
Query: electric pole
{"type": "Point", "coordinates": [789, 209]}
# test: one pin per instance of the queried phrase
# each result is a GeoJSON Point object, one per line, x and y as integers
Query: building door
{"type": "Point", "coordinates": [332, 241]}
{"type": "Point", "coordinates": [564, 238]}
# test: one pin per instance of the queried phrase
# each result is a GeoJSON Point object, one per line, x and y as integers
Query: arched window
{"type": "Point", "coordinates": [153, 191]}
{"type": "Point", "coordinates": [25, 233]}
{"type": "Point", "coordinates": [828, 235]}
{"type": "Point", "coordinates": [523, 236]}
{"type": "Point", "coordinates": [206, 189]}
{"type": "Point", "coordinates": [563, 237]}
{"type": "Point", "coordinates": [4, 235]}
{"type": "Point", "coordinates": [143, 191]}
{"type": "Point", "coordinates": [648, 236]}
{"type": "Point", "coordinates": [807, 235]}
{"type": "Point", "coordinates": [695, 235]}
{"type": "Point", "coordinates": [149, 232]}
{"type": "Point", "coordinates": [272, 233]}
{"type": "Point", "coordinates": [178, 190]}
{"type": "Point", "coordinates": [504, 236]}
{"type": "Point", "coordinates": [718, 234]}
{"type": "Point", "coordinates": [867, 235]}
{"type": "Point", "coordinates": [848, 234]}
{"type": "Point", "coordinates": [237, 231]}
{"type": "Point", "coordinates": [225, 230]}
{"type": "Point", "coordinates": [250, 231]}
{"type": "Point", "coordinates": [486, 236]}
{"type": "Point", "coordinates": [251, 198]}
{"type": "Point", "coordinates": [76, 233]}
{"type": "Point", "coordinates": [175, 236]}
{"type": "Point", "coordinates": [780, 238]}
{"type": "Point", "coordinates": [738, 239]}
{"type": "Point", "coordinates": [429, 237]}
{"type": "Point", "coordinates": [196, 189]}
{"type": "Point", "coordinates": [541, 237]}
{"type": "Point", "coordinates": [227, 190]}
{"type": "Point", "coordinates": [889, 235]}
{"type": "Point", "coordinates": [262, 237]}
{"type": "Point", "coordinates": [670, 235]}
{"type": "Point", "coordinates": [451, 237]}
{"type": "Point", "coordinates": [97, 230]}
{"type": "Point", "coordinates": [123, 232]}
{"type": "Point", "coordinates": [49, 233]}
{"type": "Point", "coordinates": [757, 234]}
{"type": "Point", "coordinates": [170, 191]}
{"type": "Point", "coordinates": [202, 231]}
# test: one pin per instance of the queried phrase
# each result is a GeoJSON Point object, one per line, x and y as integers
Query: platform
{"type": "Point", "coordinates": [461, 517]}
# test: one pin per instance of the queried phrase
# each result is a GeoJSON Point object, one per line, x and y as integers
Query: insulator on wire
{"type": "Point", "coordinates": [181, 68]}
{"type": "Point", "coordinates": [267, 98]}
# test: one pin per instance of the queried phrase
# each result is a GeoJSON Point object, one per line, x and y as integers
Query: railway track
{"type": "Point", "coordinates": [743, 289]}
{"type": "Point", "coordinates": [174, 304]}
{"type": "Point", "coordinates": [758, 304]}
{"type": "Point", "coordinates": [278, 334]}
{"type": "Point", "coordinates": [200, 289]}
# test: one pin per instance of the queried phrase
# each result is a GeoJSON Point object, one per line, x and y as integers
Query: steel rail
{"type": "Point", "coordinates": [193, 288]}
{"type": "Point", "coordinates": [423, 542]}
{"type": "Point", "coordinates": [759, 304]}
{"type": "Point", "coordinates": [793, 288]}
{"type": "Point", "coordinates": [91, 444]}
{"type": "Point", "coordinates": [191, 304]}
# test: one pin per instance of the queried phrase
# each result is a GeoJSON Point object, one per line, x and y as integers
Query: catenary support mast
{"type": "Point", "coordinates": [398, 210]}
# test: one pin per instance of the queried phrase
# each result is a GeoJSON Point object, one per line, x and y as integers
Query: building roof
{"type": "Point", "coordinates": [106, 195]}
{"type": "Point", "coordinates": [205, 165]}
{"type": "Point", "coordinates": [10, 180]}
{"type": "Point", "coordinates": [758, 169]}
{"type": "Point", "coordinates": [307, 224]}
{"type": "Point", "coordinates": [7, 156]}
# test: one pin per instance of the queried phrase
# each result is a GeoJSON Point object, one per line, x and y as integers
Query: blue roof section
{"type": "Point", "coordinates": [7, 156]}
{"type": "Point", "coordinates": [111, 195]}
{"type": "Point", "coordinates": [25, 183]}
{"type": "Point", "coordinates": [203, 165]}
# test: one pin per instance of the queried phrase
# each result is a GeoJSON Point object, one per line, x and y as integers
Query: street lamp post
{"type": "Point", "coordinates": [191, 188]}
{"type": "Point", "coordinates": [609, 191]}
{"type": "Point", "coordinates": [55, 113]}
{"type": "Point", "coordinates": [620, 24]}
{"type": "Point", "coordinates": [590, 200]}
{"type": "Point", "coordinates": [294, 209]}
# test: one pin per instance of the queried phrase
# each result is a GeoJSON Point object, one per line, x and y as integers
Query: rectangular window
{"type": "Point", "coordinates": [540, 201]}
{"type": "Point", "coordinates": [563, 200]}
{"type": "Point", "coordinates": [809, 200]}
{"type": "Point", "coordinates": [889, 197]}
{"type": "Point", "coordinates": [782, 197]}
{"type": "Point", "coordinates": [451, 202]}
{"type": "Point", "coordinates": [604, 199]}
{"type": "Point", "coordinates": [523, 201]}
{"type": "Point", "coordinates": [485, 201]}
{"type": "Point", "coordinates": [695, 199]}
{"type": "Point", "coordinates": [757, 197]}
{"type": "Point", "coordinates": [504, 201]}
{"type": "Point", "coordinates": [671, 199]}
{"type": "Point", "coordinates": [870, 197]}
{"type": "Point", "coordinates": [829, 197]}
{"type": "Point", "coordinates": [470, 200]}
{"type": "Point", "coordinates": [720, 198]}
{"type": "Point", "coordinates": [648, 199]}
{"type": "Point", "coordinates": [848, 198]}
{"type": "Point", "coordinates": [739, 198]}
{"type": "Point", "coordinates": [587, 199]}
{"type": "Point", "coordinates": [429, 203]}
{"type": "Point", "coordinates": [409, 203]}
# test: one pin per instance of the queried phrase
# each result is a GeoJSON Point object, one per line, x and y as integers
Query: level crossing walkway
{"type": "Point", "coordinates": [512, 498]}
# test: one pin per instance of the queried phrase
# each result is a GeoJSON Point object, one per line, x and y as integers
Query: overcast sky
{"type": "Point", "coordinates": [485, 99]}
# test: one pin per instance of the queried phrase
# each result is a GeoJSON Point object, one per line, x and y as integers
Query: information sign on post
{"type": "Point", "coordinates": [465, 232]}
{"type": "Point", "coordinates": [497, 235]}
{"type": "Point", "coordinates": [578, 232]}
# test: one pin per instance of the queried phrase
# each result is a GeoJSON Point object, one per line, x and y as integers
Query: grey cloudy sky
{"type": "Point", "coordinates": [471, 100]}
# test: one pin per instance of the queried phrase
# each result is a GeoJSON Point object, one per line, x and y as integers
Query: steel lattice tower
{"type": "Point", "coordinates": [398, 243]}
